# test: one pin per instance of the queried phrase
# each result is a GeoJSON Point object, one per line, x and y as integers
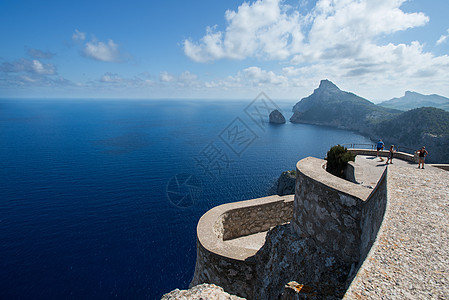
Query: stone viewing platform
{"type": "Point", "coordinates": [383, 235]}
{"type": "Point", "coordinates": [410, 258]}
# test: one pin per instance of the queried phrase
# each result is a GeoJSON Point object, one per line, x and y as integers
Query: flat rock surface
{"type": "Point", "coordinates": [203, 291]}
{"type": "Point", "coordinates": [252, 241]}
{"type": "Point", "coordinates": [371, 168]}
{"type": "Point", "coordinates": [410, 258]}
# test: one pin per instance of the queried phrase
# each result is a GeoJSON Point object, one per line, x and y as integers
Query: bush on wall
{"type": "Point", "coordinates": [337, 160]}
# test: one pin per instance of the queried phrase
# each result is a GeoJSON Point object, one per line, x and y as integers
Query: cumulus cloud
{"type": "Point", "coordinates": [259, 77]}
{"type": "Point", "coordinates": [264, 28]}
{"type": "Point", "coordinates": [344, 29]}
{"type": "Point", "coordinates": [186, 78]}
{"type": "Point", "coordinates": [254, 76]}
{"type": "Point", "coordinates": [102, 51]}
{"type": "Point", "coordinates": [28, 66]}
{"type": "Point", "coordinates": [78, 36]}
{"type": "Point", "coordinates": [166, 77]}
{"type": "Point", "coordinates": [34, 80]}
{"type": "Point", "coordinates": [108, 52]}
{"type": "Point", "coordinates": [443, 38]}
{"type": "Point", "coordinates": [339, 39]}
{"type": "Point", "coordinates": [115, 80]}
{"type": "Point", "coordinates": [39, 54]}
{"type": "Point", "coordinates": [273, 30]}
{"type": "Point", "coordinates": [111, 78]}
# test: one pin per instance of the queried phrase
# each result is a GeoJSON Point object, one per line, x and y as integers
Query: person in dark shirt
{"type": "Point", "coordinates": [390, 154]}
{"type": "Point", "coordinates": [380, 146]}
{"type": "Point", "coordinates": [422, 153]}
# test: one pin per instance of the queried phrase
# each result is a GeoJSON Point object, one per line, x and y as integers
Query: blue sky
{"type": "Point", "coordinates": [377, 49]}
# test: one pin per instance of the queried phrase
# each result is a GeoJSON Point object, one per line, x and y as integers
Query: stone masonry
{"type": "Point", "coordinates": [345, 240]}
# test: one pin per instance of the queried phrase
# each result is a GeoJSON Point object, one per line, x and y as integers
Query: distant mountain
{"type": "Point", "coordinates": [427, 126]}
{"type": "Point", "coordinates": [328, 105]}
{"type": "Point", "coordinates": [413, 100]}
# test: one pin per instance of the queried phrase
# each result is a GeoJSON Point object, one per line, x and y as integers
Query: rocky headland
{"type": "Point", "coordinates": [330, 106]}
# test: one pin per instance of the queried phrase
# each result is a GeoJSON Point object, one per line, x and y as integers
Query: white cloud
{"type": "Point", "coordinates": [185, 79]}
{"type": "Point", "coordinates": [39, 54]}
{"type": "Point", "coordinates": [259, 77]}
{"type": "Point", "coordinates": [39, 68]}
{"type": "Point", "coordinates": [263, 29]}
{"type": "Point", "coordinates": [343, 40]}
{"type": "Point", "coordinates": [343, 29]}
{"type": "Point", "coordinates": [78, 36]}
{"type": "Point", "coordinates": [273, 30]}
{"type": "Point", "coordinates": [111, 78]}
{"type": "Point", "coordinates": [28, 66]}
{"type": "Point", "coordinates": [115, 80]}
{"type": "Point", "coordinates": [166, 77]}
{"type": "Point", "coordinates": [102, 51]}
{"type": "Point", "coordinates": [443, 38]}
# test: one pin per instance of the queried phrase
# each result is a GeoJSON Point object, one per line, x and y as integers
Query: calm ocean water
{"type": "Point", "coordinates": [100, 199]}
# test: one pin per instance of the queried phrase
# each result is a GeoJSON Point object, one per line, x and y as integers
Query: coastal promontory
{"type": "Point", "coordinates": [330, 106]}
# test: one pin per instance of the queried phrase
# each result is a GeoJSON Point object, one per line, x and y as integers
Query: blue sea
{"type": "Point", "coordinates": [100, 199]}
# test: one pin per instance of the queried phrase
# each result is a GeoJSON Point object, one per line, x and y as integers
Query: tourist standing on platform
{"type": "Point", "coordinates": [422, 156]}
{"type": "Point", "coordinates": [380, 146]}
{"type": "Point", "coordinates": [390, 154]}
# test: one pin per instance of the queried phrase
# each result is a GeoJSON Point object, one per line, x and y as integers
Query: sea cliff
{"type": "Point", "coordinates": [330, 106]}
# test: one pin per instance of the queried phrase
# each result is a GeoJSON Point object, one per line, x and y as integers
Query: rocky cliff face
{"type": "Point", "coordinates": [276, 117]}
{"type": "Point", "coordinates": [330, 106]}
{"type": "Point", "coordinates": [282, 247]}
{"type": "Point", "coordinates": [286, 183]}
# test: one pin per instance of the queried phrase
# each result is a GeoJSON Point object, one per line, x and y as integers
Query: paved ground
{"type": "Point", "coordinates": [253, 241]}
{"type": "Point", "coordinates": [410, 258]}
{"type": "Point", "coordinates": [370, 168]}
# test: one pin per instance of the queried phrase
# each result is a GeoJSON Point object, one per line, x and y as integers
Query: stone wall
{"type": "Point", "coordinates": [328, 210]}
{"type": "Point", "coordinates": [235, 276]}
{"type": "Point", "coordinates": [372, 216]}
{"type": "Point", "coordinates": [350, 171]}
{"type": "Point", "coordinates": [333, 225]}
{"type": "Point", "coordinates": [253, 219]}
{"type": "Point", "coordinates": [227, 265]}
{"type": "Point", "coordinates": [441, 166]}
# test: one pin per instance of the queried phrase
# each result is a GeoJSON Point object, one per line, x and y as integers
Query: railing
{"type": "Point", "coordinates": [373, 147]}
{"type": "Point", "coordinates": [361, 146]}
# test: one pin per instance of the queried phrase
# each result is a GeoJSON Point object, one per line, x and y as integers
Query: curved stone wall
{"type": "Point", "coordinates": [328, 210]}
{"type": "Point", "coordinates": [225, 264]}
{"type": "Point", "coordinates": [338, 219]}
{"type": "Point", "coordinates": [341, 217]}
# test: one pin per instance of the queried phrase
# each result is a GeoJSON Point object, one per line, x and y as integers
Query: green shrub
{"type": "Point", "coordinates": [337, 160]}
